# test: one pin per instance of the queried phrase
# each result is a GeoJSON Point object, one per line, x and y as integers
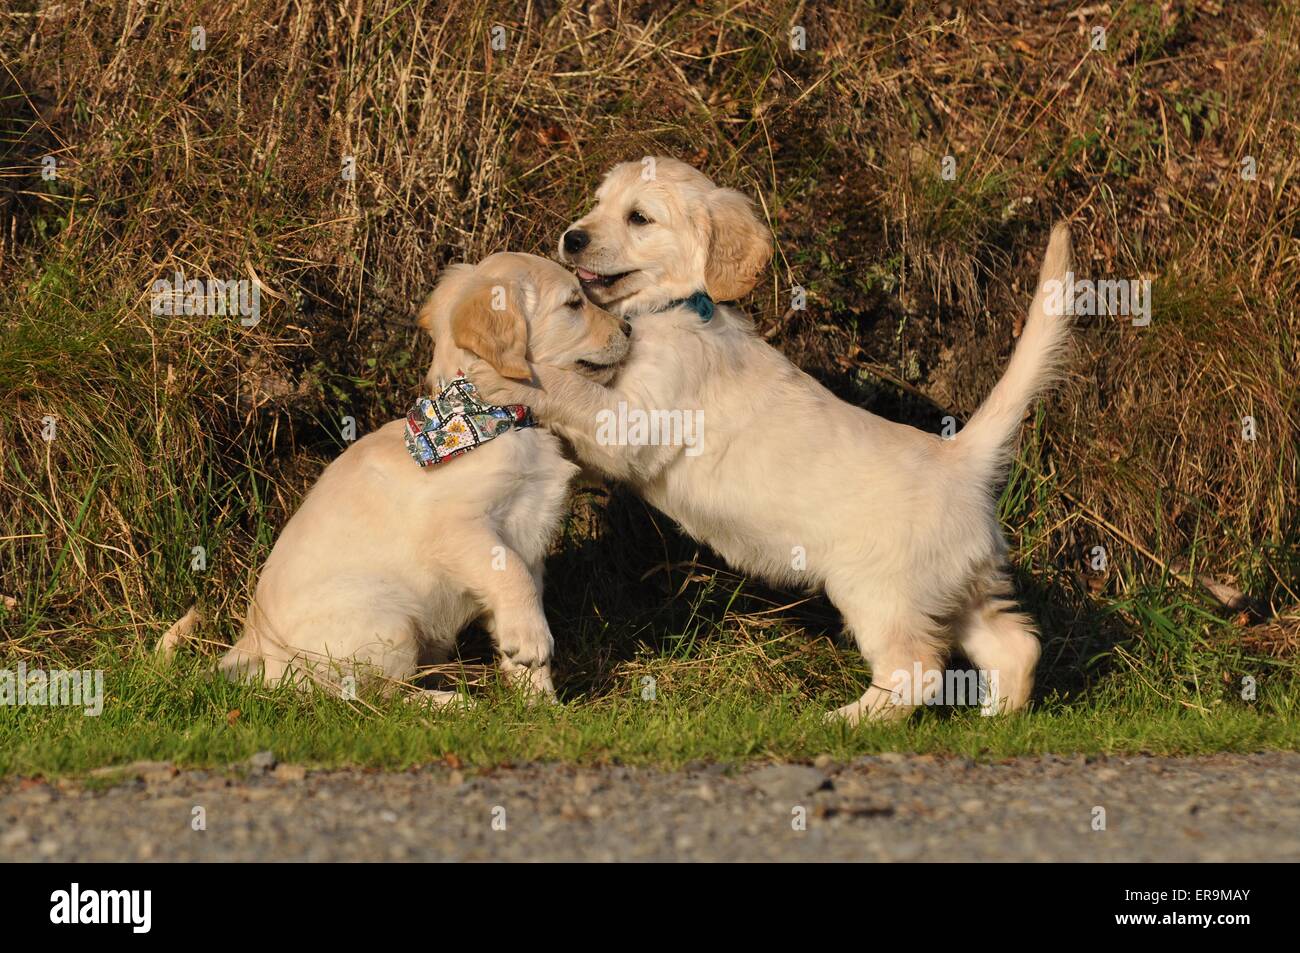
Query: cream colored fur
{"type": "Point", "coordinates": [897, 526]}
{"type": "Point", "coordinates": [385, 562]}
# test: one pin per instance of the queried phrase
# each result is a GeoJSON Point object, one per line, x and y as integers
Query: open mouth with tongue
{"type": "Point", "coordinates": [601, 281]}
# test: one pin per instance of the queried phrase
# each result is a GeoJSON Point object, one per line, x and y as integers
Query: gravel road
{"type": "Point", "coordinates": [885, 807]}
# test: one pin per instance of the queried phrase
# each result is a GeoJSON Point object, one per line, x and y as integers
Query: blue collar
{"type": "Point", "coordinates": [700, 303]}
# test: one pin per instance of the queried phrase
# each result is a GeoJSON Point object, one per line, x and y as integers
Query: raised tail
{"type": "Point", "coordinates": [988, 440]}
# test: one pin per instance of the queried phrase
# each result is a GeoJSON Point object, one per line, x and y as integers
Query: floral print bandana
{"type": "Point", "coordinates": [456, 421]}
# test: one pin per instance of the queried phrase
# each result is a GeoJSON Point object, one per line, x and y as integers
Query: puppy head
{"type": "Point", "coordinates": [661, 230]}
{"type": "Point", "coordinates": [511, 309]}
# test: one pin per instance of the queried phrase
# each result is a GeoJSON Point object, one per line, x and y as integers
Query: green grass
{"type": "Point", "coordinates": [182, 715]}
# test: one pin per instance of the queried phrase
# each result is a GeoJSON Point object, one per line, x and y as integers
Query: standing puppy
{"type": "Point", "coordinates": [445, 517]}
{"type": "Point", "coordinates": [786, 481]}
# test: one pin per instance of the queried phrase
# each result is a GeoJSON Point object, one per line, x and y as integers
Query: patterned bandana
{"type": "Point", "coordinates": [456, 421]}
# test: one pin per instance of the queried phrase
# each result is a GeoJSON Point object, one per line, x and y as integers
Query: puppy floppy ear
{"type": "Point", "coordinates": [426, 315]}
{"type": "Point", "coordinates": [488, 320]}
{"type": "Point", "coordinates": [450, 280]}
{"type": "Point", "coordinates": [740, 245]}
{"type": "Point", "coordinates": [425, 319]}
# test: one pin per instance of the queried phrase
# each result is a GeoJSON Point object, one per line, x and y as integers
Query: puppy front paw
{"type": "Point", "coordinates": [533, 680]}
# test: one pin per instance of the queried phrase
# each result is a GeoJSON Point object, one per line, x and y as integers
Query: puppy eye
{"type": "Point", "coordinates": [574, 303]}
{"type": "Point", "coordinates": [636, 218]}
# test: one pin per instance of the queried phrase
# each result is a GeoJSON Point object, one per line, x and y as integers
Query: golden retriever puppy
{"type": "Point", "coordinates": [445, 517]}
{"type": "Point", "coordinates": [787, 482]}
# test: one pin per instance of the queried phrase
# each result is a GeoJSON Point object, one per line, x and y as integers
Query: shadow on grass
{"type": "Point", "coordinates": [634, 589]}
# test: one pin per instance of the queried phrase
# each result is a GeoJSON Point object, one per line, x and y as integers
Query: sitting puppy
{"type": "Point", "coordinates": [445, 517]}
{"type": "Point", "coordinates": [786, 481]}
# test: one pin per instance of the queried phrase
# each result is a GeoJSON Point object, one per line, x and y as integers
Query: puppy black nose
{"type": "Point", "coordinates": [627, 329]}
{"type": "Point", "coordinates": [575, 240]}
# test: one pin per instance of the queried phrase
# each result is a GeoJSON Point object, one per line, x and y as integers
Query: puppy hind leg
{"type": "Point", "coordinates": [353, 647]}
{"type": "Point", "coordinates": [1003, 645]}
{"type": "Point", "coordinates": [999, 641]}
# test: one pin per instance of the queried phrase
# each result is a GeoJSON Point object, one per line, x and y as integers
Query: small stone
{"type": "Point", "coordinates": [151, 772]}
{"type": "Point", "coordinates": [290, 772]}
{"type": "Point", "coordinates": [823, 761]}
{"type": "Point", "coordinates": [262, 761]}
{"type": "Point", "coordinates": [388, 817]}
{"type": "Point", "coordinates": [852, 787]}
{"type": "Point", "coordinates": [973, 806]}
{"type": "Point", "coordinates": [787, 782]}
{"type": "Point", "coordinates": [15, 837]}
